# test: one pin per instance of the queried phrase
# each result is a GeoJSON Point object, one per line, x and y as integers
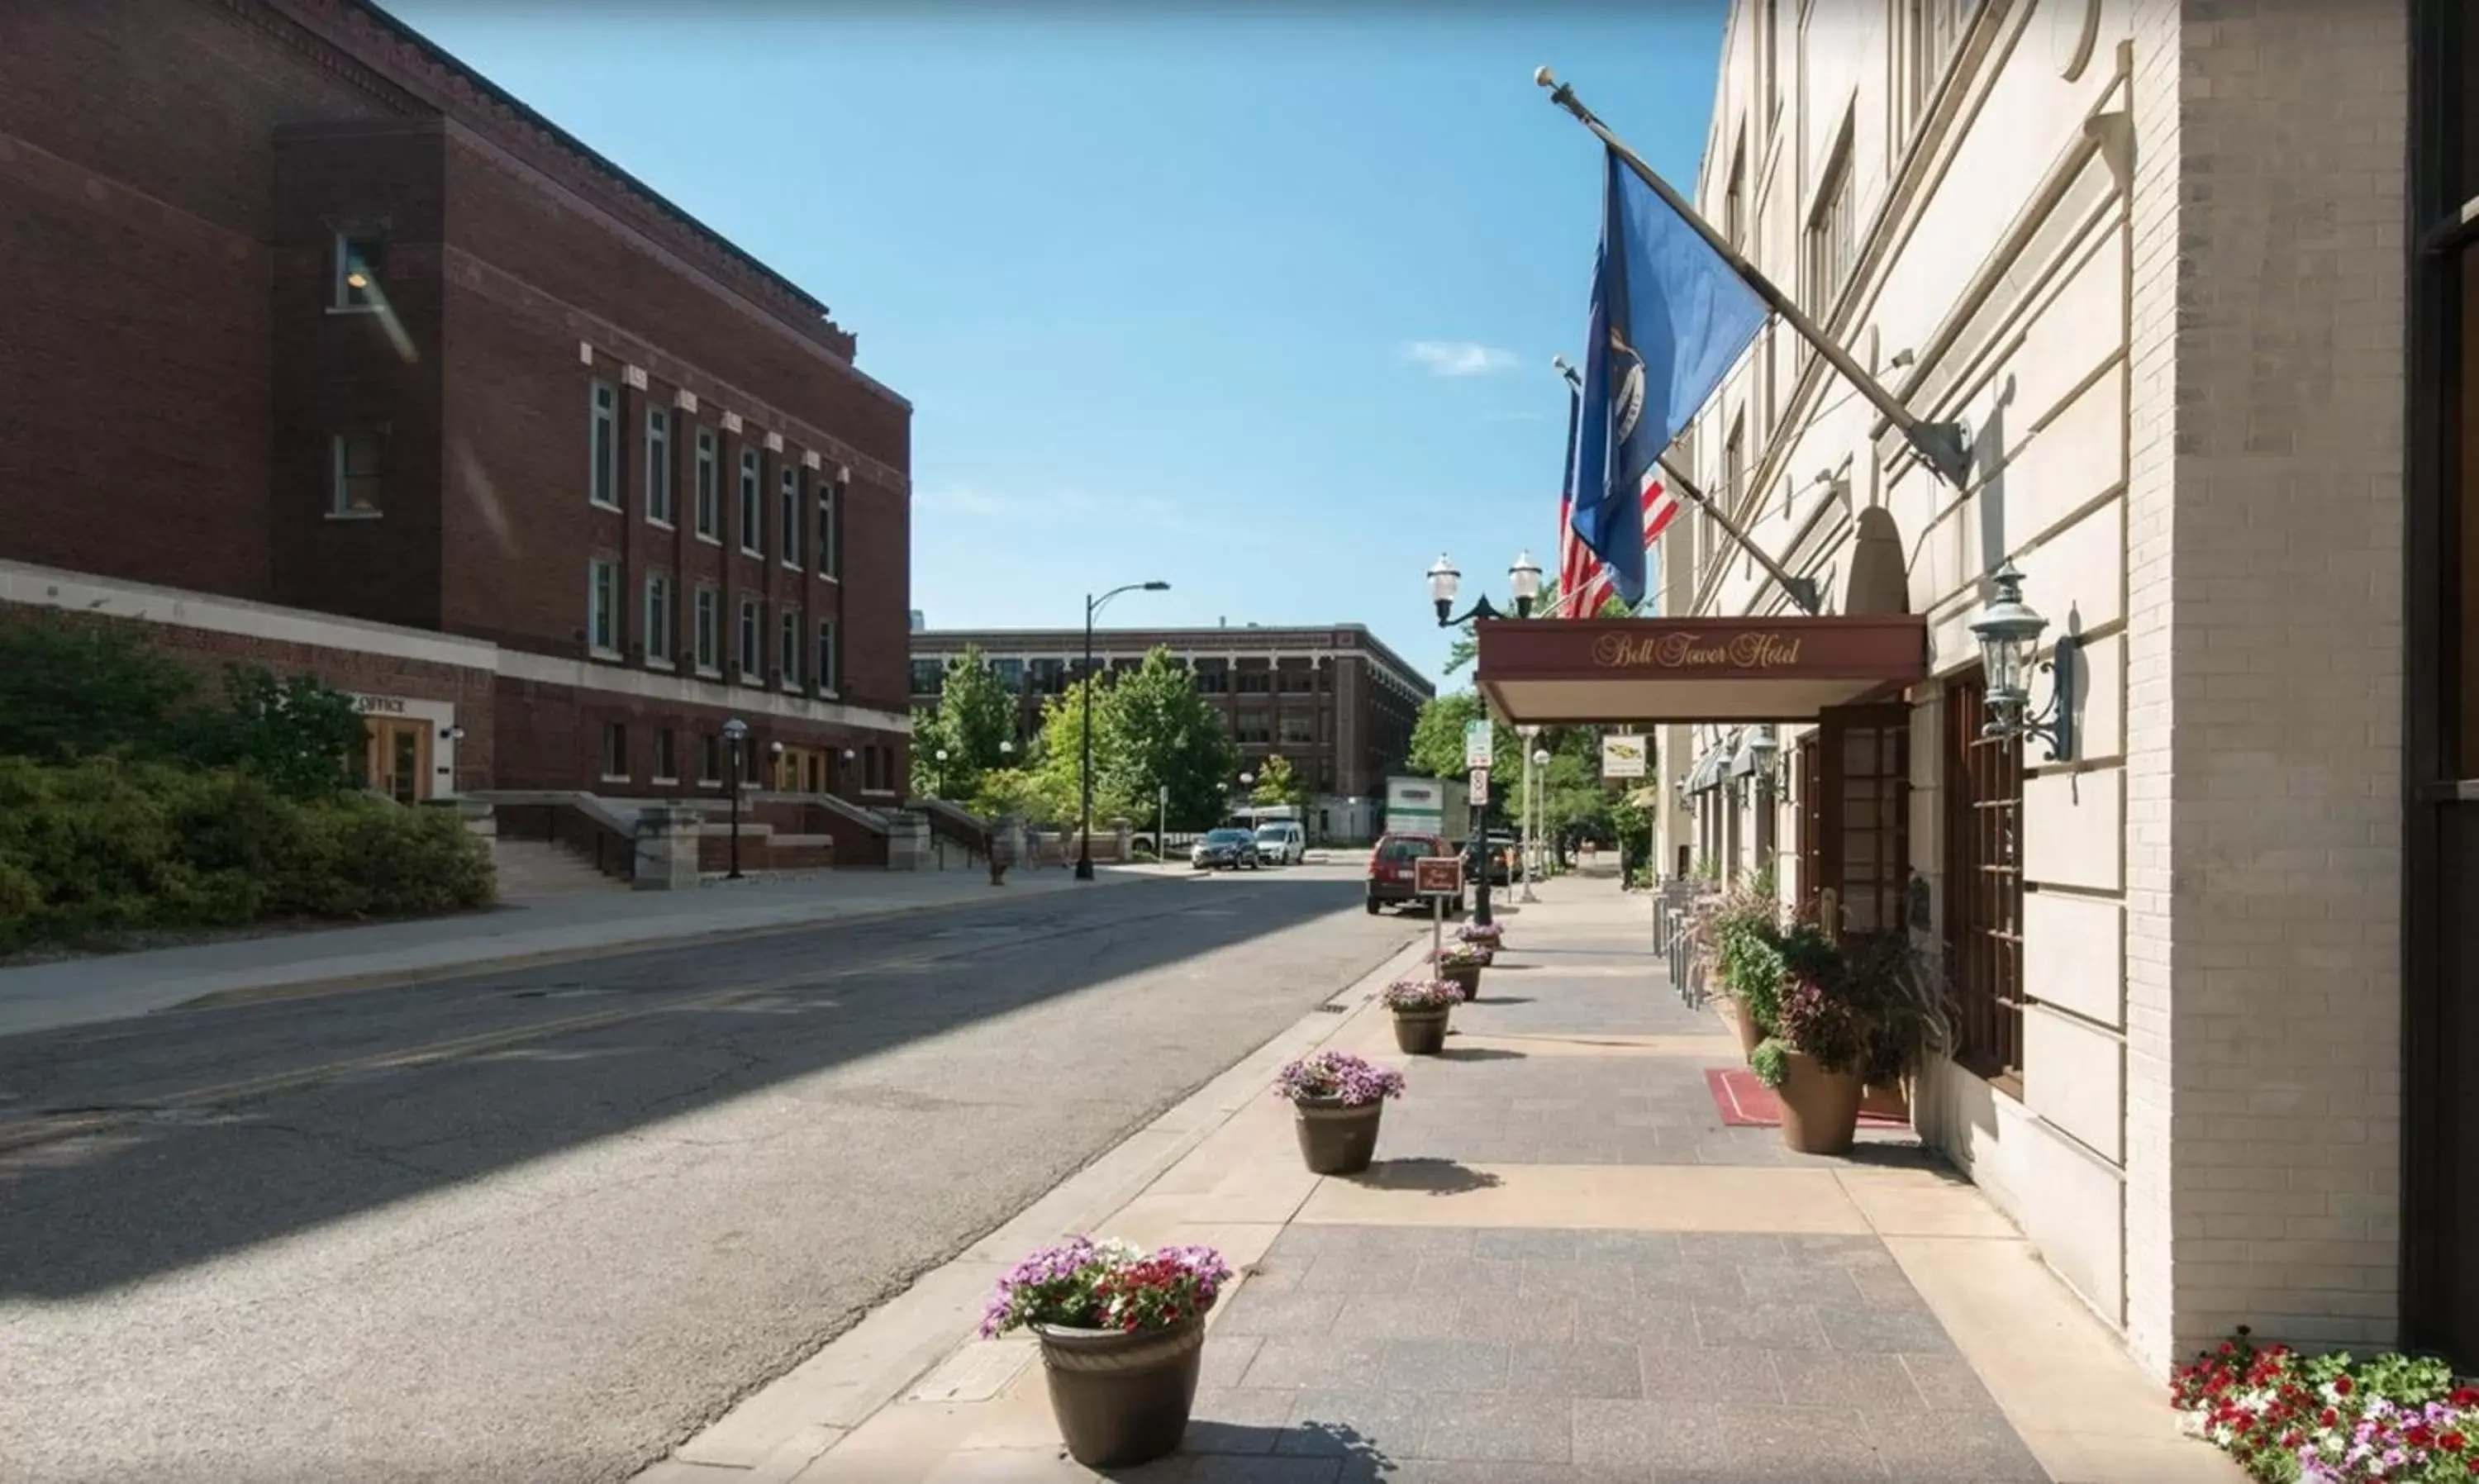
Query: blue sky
{"type": "Point", "coordinates": [1260, 303]}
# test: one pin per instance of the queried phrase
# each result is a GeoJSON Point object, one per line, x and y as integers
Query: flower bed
{"type": "Point", "coordinates": [1083, 1284]}
{"type": "Point", "coordinates": [2292, 1418]}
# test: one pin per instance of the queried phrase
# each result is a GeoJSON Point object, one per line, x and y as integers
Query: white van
{"type": "Point", "coordinates": [1281, 842]}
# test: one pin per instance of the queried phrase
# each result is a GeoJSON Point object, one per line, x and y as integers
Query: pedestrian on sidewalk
{"type": "Point", "coordinates": [1032, 846]}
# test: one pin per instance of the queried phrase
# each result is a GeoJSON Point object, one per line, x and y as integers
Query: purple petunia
{"type": "Point", "coordinates": [1339, 1076]}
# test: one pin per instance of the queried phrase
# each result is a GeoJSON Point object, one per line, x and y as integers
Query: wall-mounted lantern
{"type": "Point", "coordinates": [2009, 630]}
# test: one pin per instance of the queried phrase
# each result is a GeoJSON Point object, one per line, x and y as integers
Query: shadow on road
{"type": "Point", "coordinates": [591, 1051]}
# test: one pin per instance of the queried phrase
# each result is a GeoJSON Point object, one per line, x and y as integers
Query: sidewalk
{"type": "Point", "coordinates": [115, 986]}
{"type": "Point", "coordinates": [1564, 1267]}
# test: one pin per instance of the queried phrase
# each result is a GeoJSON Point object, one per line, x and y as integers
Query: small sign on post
{"type": "Point", "coordinates": [1479, 786]}
{"type": "Point", "coordinates": [1622, 756]}
{"type": "Point", "coordinates": [1478, 738]}
{"type": "Point", "coordinates": [1437, 877]}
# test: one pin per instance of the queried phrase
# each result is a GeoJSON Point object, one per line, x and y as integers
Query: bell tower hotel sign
{"type": "Point", "coordinates": [1790, 669]}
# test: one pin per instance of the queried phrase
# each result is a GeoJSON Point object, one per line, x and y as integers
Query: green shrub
{"type": "Point", "coordinates": [106, 846]}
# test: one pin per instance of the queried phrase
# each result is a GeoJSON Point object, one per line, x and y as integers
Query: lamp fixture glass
{"type": "Point", "coordinates": [1445, 582]}
{"type": "Point", "coordinates": [735, 729]}
{"type": "Point", "coordinates": [2009, 630]}
{"type": "Point", "coordinates": [1524, 579]}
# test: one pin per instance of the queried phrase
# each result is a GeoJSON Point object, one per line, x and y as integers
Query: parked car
{"type": "Point", "coordinates": [1503, 853]}
{"type": "Point", "coordinates": [1282, 843]}
{"type": "Point", "coordinates": [1224, 850]}
{"type": "Point", "coordinates": [1390, 870]}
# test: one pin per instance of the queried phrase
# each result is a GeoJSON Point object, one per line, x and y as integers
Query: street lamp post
{"type": "Point", "coordinates": [1084, 836]}
{"type": "Point", "coordinates": [735, 734]}
{"type": "Point", "coordinates": [1523, 580]}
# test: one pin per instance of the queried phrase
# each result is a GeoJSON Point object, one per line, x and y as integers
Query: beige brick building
{"type": "Point", "coordinates": [2158, 262]}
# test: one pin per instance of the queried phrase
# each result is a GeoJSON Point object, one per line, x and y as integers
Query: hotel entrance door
{"type": "Point", "coordinates": [801, 770]}
{"type": "Point", "coordinates": [396, 758]}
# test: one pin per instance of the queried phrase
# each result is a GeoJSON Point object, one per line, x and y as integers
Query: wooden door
{"type": "Point", "coordinates": [397, 758]}
{"type": "Point", "coordinates": [1863, 824]}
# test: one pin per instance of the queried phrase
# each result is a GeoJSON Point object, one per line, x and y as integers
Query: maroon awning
{"type": "Point", "coordinates": [1553, 672]}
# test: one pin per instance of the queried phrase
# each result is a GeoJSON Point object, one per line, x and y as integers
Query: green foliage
{"type": "Point", "coordinates": [1770, 1063]}
{"type": "Point", "coordinates": [106, 846]}
{"type": "Point", "coordinates": [1277, 783]}
{"type": "Point", "coordinates": [1438, 737]}
{"type": "Point", "coordinates": [1023, 793]}
{"type": "Point", "coordinates": [1163, 734]}
{"type": "Point", "coordinates": [975, 714]}
{"type": "Point", "coordinates": [71, 689]}
{"type": "Point", "coordinates": [1744, 934]}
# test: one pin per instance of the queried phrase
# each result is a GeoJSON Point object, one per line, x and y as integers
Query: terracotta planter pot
{"type": "Point", "coordinates": [1336, 1138]}
{"type": "Point", "coordinates": [1465, 976]}
{"type": "Point", "coordinates": [1750, 1035]}
{"type": "Point", "coordinates": [1421, 1032]}
{"type": "Point", "coordinates": [1819, 1109]}
{"type": "Point", "coordinates": [1121, 1400]}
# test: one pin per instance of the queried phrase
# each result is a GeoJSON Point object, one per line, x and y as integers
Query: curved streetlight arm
{"type": "Point", "coordinates": [1481, 609]}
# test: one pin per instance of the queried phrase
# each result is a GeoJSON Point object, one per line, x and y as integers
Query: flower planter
{"type": "Point", "coordinates": [1750, 1033]}
{"type": "Point", "coordinates": [1421, 1032]}
{"type": "Point", "coordinates": [1337, 1138]}
{"type": "Point", "coordinates": [1819, 1109]}
{"type": "Point", "coordinates": [1121, 1400]}
{"type": "Point", "coordinates": [1463, 976]}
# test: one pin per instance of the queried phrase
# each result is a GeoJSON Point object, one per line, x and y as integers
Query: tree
{"type": "Point", "coordinates": [1278, 783]}
{"type": "Point", "coordinates": [298, 733]}
{"type": "Point", "coordinates": [1160, 734]}
{"type": "Point", "coordinates": [1438, 737]}
{"type": "Point", "coordinates": [71, 690]}
{"type": "Point", "coordinates": [1058, 763]}
{"type": "Point", "coordinates": [975, 714]}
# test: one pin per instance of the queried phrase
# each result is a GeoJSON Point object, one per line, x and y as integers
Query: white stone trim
{"type": "Point", "coordinates": [679, 690]}
{"type": "Point", "coordinates": [731, 423]}
{"type": "Point", "coordinates": [47, 587]}
{"type": "Point", "coordinates": [773, 443]}
{"type": "Point", "coordinates": [685, 402]}
{"type": "Point", "coordinates": [809, 458]}
{"type": "Point", "coordinates": [634, 376]}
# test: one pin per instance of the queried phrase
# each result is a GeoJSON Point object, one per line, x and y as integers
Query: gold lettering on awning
{"type": "Point", "coordinates": [1695, 652]}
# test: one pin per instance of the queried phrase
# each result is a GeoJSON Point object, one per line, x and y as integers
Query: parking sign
{"type": "Point", "coordinates": [1476, 744]}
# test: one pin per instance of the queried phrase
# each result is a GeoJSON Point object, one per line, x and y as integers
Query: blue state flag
{"type": "Point", "coordinates": [1670, 316]}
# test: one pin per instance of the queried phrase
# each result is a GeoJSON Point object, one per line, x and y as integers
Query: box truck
{"type": "Point", "coordinates": [1429, 806]}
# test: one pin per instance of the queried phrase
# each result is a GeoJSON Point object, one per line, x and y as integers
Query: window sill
{"type": "Point", "coordinates": [709, 782]}
{"type": "Point", "coordinates": [659, 523]}
{"type": "Point", "coordinates": [708, 673]}
{"type": "Point", "coordinates": [659, 779]}
{"type": "Point", "coordinates": [651, 663]}
{"type": "Point", "coordinates": [791, 566]}
{"type": "Point", "coordinates": [753, 551]}
{"type": "Point", "coordinates": [355, 515]}
{"type": "Point", "coordinates": [710, 540]}
{"type": "Point", "coordinates": [598, 651]}
{"type": "Point", "coordinates": [830, 576]}
{"type": "Point", "coordinates": [352, 309]}
{"type": "Point", "coordinates": [603, 505]}
{"type": "Point", "coordinates": [752, 677]}
{"type": "Point", "coordinates": [616, 777]}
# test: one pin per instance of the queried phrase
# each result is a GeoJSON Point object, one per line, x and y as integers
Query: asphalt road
{"type": "Point", "coordinates": [541, 1225]}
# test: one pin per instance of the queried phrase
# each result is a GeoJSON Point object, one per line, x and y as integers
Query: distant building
{"type": "Point", "coordinates": [920, 621]}
{"type": "Point", "coordinates": [1333, 701]}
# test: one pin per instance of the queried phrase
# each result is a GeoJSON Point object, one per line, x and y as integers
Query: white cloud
{"type": "Point", "coordinates": [1459, 357]}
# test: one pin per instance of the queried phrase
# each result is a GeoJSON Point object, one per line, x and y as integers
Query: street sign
{"type": "Point", "coordinates": [1479, 786]}
{"type": "Point", "coordinates": [1622, 756]}
{"type": "Point", "coordinates": [1477, 736]}
{"type": "Point", "coordinates": [1438, 876]}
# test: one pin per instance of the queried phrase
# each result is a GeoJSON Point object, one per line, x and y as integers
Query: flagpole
{"type": "Point", "coordinates": [1940, 443]}
{"type": "Point", "coordinates": [1802, 591]}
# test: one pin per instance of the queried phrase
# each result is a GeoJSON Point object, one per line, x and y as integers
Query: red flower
{"type": "Point", "coordinates": [2465, 1396]}
{"type": "Point", "coordinates": [2330, 1417]}
{"type": "Point", "coordinates": [2343, 1386]}
{"type": "Point", "coordinates": [2451, 1443]}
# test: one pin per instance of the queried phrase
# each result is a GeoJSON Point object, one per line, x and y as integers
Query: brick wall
{"type": "Point", "coordinates": [2265, 684]}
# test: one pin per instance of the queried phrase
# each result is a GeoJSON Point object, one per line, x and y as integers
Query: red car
{"type": "Point", "coordinates": [1390, 871]}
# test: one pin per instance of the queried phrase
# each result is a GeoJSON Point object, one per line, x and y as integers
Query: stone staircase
{"type": "Point", "coordinates": [536, 870]}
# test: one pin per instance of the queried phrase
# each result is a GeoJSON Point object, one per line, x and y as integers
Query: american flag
{"type": "Point", "coordinates": [1583, 581]}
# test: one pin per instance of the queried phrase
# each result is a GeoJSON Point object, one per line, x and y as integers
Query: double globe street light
{"type": "Point", "coordinates": [1446, 583]}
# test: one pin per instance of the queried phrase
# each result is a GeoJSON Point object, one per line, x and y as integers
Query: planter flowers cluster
{"type": "Point", "coordinates": [1337, 1099]}
{"type": "Point", "coordinates": [2292, 1418]}
{"type": "Point", "coordinates": [1122, 1332]}
{"type": "Point", "coordinates": [1487, 937]}
{"type": "Point", "coordinates": [1420, 1009]}
{"type": "Point", "coordinates": [1460, 964]}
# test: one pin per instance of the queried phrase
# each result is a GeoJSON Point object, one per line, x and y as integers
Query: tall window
{"type": "Point", "coordinates": [709, 629]}
{"type": "Point", "coordinates": [603, 606]}
{"type": "Point", "coordinates": [356, 460]}
{"type": "Point", "coordinates": [667, 761]}
{"type": "Point", "coordinates": [1011, 675]}
{"type": "Point", "coordinates": [929, 678]}
{"type": "Point", "coordinates": [828, 659]}
{"type": "Point", "coordinates": [658, 620]}
{"type": "Point", "coordinates": [1735, 469]}
{"type": "Point", "coordinates": [1049, 676]}
{"type": "Point", "coordinates": [1934, 30]}
{"type": "Point", "coordinates": [662, 505]}
{"type": "Point", "coordinates": [709, 492]}
{"type": "Point", "coordinates": [1985, 885]}
{"type": "Point", "coordinates": [711, 758]}
{"type": "Point", "coordinates": [615, 750]}
{"type": "Point", "coordinates": [790, 535]}
{"type": "Point", "coordinates": [752, 513]}
{"type": "Point", "coordinates": [1214, 679]}
{"type": "Point", "coordinates": [359, 257]}
{"type": "Point", "coordinates": [603, 446]}
{"type": "Point", "coordinates": [1256, 683]}
{"type": "Point", "coordinates": [790, 654]}
{"type": "Point", "coordinates": [831, 562]}
{"type": "Point", "coordinates": [1735, 198]}
{"type": "Point", "coordinates": [752, 664]}
{"type": "Point", "coordinates": [1833, 230]}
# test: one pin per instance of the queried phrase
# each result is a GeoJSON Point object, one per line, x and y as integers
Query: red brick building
{"type": "Point", "coordinates": [322, 350]}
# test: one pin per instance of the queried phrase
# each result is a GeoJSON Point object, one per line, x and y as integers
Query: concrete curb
{"type": "Point", "coordinates": [785, 1426]}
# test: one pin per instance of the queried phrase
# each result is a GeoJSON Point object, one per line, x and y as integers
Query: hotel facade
{"type": "Point", "coordinates": [2189, 278]}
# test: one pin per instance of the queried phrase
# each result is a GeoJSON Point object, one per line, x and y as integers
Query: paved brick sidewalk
{"type": "Point", "coordinates": [1564, 1267]}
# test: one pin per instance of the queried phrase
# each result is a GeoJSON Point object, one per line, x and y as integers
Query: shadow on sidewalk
{"type": "Point", "coordinates": [1307, 1452]}
{"type": "Point", "coordinates": [1478, 1053]}
{"type": "Point", "coordinates": [609, 1048]}
{"type": "Point", "coordinates": [1429, 1176]}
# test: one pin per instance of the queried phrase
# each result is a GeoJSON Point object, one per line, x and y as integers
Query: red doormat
{"type": "Point", "coordinates": [1745, 1103]}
